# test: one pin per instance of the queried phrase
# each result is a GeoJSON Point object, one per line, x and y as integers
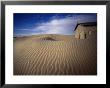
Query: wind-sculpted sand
{"type": "Point", "coordinates": [55, 55]}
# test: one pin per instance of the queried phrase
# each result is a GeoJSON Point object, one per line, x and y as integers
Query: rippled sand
{"type": "Point", "coordinates": [55, 55]}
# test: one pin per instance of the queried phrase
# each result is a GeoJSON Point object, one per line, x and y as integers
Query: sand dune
{"type": "Point", "coordinates": [55, 55]}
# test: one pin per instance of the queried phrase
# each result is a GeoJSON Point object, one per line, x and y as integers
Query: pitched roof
{"type": "Point", "coordinates": [86, 24]}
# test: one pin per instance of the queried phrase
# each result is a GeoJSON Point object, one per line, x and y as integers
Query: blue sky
{"type": "Point", "coordinates": [26, 24]}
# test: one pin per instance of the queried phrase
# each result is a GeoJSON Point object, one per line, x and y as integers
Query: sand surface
{"type": "Point", "coordinates": [55, 55]}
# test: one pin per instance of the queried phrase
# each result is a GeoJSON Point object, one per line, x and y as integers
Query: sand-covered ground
{"type": "Point", "coordinates": [55, 55]}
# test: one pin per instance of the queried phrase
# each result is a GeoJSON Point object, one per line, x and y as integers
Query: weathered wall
{"type": "Point", "coordinates": [83, 32]}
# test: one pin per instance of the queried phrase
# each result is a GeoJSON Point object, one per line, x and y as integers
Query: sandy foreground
{"type": "Point", "coordinates": [53, 54]}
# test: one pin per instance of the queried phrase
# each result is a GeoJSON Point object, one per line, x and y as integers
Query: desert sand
{"type": "Point", "coordinates": [53, 54]}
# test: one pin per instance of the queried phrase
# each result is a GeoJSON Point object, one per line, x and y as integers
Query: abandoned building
{"type": "Point", "coordinates": [83, 30]}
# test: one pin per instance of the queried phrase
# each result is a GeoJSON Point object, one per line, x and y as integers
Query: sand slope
{"type": "Point", "coordinates": [60, 55]}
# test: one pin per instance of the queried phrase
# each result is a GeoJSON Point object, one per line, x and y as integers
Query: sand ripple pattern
{"type": "Point", "coordinates": [59, 55]}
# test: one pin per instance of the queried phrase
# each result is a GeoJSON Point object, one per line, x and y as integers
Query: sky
{"type": "Point", "coordinates": [26, 24]}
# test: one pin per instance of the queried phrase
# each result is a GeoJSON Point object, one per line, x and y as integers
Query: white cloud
{"type": "Point", "coordinates": [58, 26]}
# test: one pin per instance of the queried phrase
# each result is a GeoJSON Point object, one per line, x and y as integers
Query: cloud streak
{"type": "Point", "coordinates": [58, 26]}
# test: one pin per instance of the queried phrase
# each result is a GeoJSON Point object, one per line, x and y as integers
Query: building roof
{"type": "Point", "coordinates": [86, 24]}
